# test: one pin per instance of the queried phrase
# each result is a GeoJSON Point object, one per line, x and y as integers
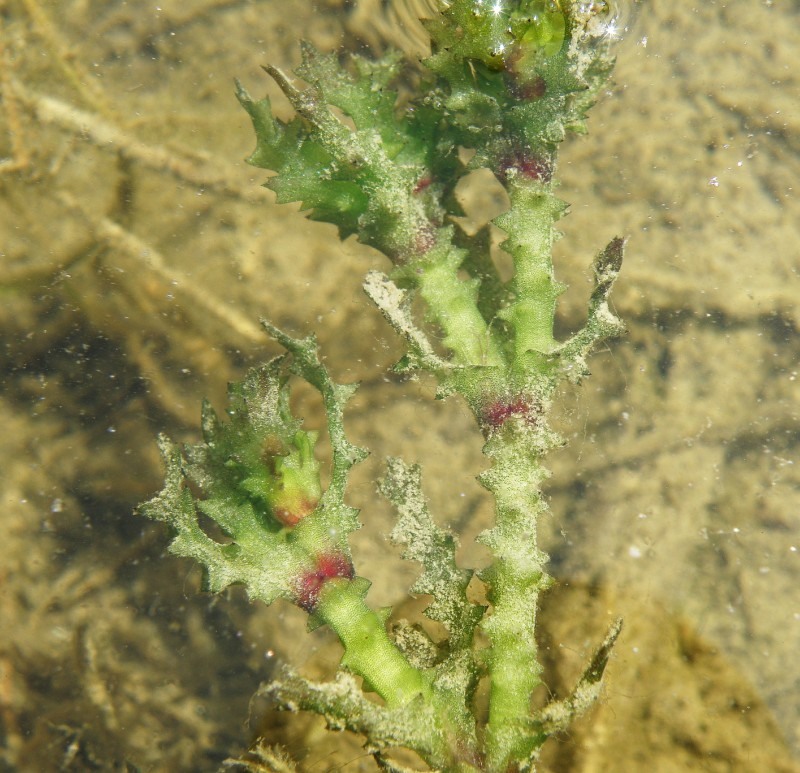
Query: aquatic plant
{"type": "Point", "coordinates": [504, 84]}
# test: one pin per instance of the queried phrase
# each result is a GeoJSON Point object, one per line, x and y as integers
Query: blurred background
{"type": "Point", "coordinates": [137, 254]}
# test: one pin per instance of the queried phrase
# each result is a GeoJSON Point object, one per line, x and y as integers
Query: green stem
{"type": "Point", "coordinates": [368, 650]}
{"type": "Point", "coordinates": [530, 227]}
{"type": "Point", "coordinates": [371, 654]}
{"type": "Point", "coordinates": [453, 303]}
{"type": "Point", "coordinates": [515, 581]}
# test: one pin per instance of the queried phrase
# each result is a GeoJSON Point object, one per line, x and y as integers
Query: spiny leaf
{"type": "Point", "coordinates": [255, 557]}
{"type": "Point", "coordinates": [434, 548]}
{"type": "Point", "coordinates": [256, 478]}
{"type": "Point", "coordinates": [344, 707]}
{"type": "Point", "coordinates": [335, 515]}
{"type": "Point", "coordinates": [305, 170]}
{"type": "Point", "coordinates": [365, 98]}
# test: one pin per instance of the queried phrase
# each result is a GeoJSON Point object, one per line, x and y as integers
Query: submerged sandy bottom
{"type": "Point", "coordinates": [138, 254]}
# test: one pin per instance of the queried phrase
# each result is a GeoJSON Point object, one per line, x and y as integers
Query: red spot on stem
{"type": "Point", "coordinates": [496, 413]}
{"type": "Point", "coordinates": [522, 88]}
{"type": "Point", "coordinates": [328, 566]}
{"type": "Point", "coordinates": [423, 183]}
{"type": "Point", "coordinates": [527, 165]}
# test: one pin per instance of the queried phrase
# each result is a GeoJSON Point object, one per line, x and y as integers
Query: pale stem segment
{"type": "Point", "coordinates": [516, 579]}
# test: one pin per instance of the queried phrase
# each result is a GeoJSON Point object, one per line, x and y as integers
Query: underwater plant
{"type": "Point", "coordinates": [505, 82]}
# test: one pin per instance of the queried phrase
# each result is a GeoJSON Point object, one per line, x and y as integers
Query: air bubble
{"type": "Point", "coordinates": [606, 20]}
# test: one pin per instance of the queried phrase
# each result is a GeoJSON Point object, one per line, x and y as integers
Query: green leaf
{"type": "Point", "coordinates": [335, 518]}
{"type": "Point", "coordinates": [344, 707]}
{"type": "Point", "coordinates": [305, 170]}
{"type": "Point", "coordinates": [256, 478]}
{"type": "Point", "coordinates": [434, 548]}
{"type": "Point", "coordinates": [255, 556]}
{"type": "Point", "coordinates": [364, 97]}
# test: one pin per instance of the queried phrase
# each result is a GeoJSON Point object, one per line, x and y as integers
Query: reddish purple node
{"type": "Point", "coordinates": [328, 566]}
{"type": "Point", "coordinates": [495, 414]}
{"type": "Point", "coordinates": [423, 183]}
{"type": "Point", "coordinates": [532, 167]}
{"type": "Point", "coordinates": [526, 90]}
